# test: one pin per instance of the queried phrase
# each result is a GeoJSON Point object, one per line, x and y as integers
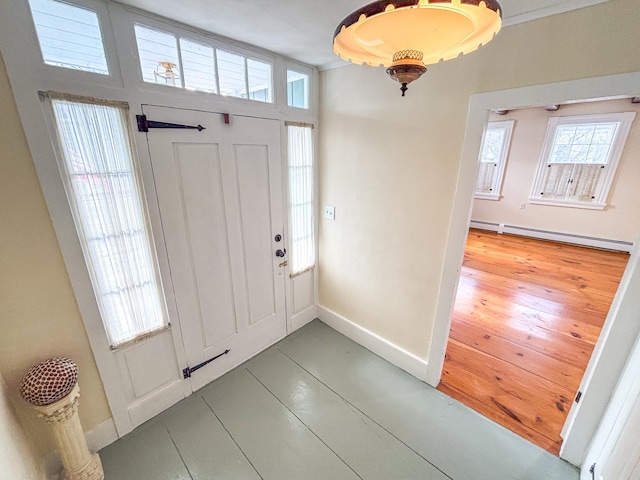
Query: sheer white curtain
{"type": "Point", "coordinates": [302, 255]}
{"type": "Point", "coordinates": [105, 195]}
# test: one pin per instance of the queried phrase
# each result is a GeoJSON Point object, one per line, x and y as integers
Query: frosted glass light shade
{"type": "Point", "coordinates": [440, 29]}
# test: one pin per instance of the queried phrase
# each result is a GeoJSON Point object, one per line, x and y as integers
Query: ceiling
{"type": "Point", "coordinates": [303, 29]}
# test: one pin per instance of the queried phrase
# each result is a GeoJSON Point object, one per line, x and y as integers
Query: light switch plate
{"type": "Point", "coordinates": [329, 212]}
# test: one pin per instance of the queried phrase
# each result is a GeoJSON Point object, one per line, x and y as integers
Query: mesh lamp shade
{"type": "Point", "coordinates": [428, 30]}
{"type": "Point", "coordinates": [49, 381]}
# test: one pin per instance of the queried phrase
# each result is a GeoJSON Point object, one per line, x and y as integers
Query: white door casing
{"type": "Point", "coordinates": [220, 198]}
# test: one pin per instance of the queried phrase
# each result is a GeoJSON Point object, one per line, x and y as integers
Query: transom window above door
{"type": "Point", "coordinates": [69, 36]}
{"type": "Point", "coordinates": [167, 59]}
{"type": "Point", "coordinates": [579, 159]}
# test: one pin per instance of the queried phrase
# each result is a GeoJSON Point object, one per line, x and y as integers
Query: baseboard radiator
{"type": "Point", "coordinates": [607, 244]}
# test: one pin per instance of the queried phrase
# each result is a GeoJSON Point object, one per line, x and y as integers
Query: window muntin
{"type": "Point", "coordinates": [301, 219]}
{"type": "Point", "coordinates": [297, 89]}
{"type": "Point", "coordinates": [69, 36]}
{"type": "Point", "coordinates": [579, 159]}
{"type": "Point", "coordinates": [104, 191]}
{"type": "Point", "coordinates": [176, 61]}
{"type": "Point", "coordinates": [493, 159]}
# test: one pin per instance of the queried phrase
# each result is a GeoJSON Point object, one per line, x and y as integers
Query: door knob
{"type": "Point", "coordinates": [281, 253]}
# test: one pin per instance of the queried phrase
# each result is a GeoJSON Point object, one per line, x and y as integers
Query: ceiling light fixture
{"type": "Point", "coordinates": [406, 35]}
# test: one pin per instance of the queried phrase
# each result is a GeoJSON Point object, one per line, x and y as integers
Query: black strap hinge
{"type": "Point", "coordinates": [186, 373]}
{"type": "Point", "coordinates": [144, 125]}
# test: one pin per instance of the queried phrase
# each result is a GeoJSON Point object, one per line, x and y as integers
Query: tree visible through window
{"type": "Point", "coordinates": [579, 159]}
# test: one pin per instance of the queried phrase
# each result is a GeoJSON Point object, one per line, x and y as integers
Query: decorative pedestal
{"type": "Point", "coordinates": [52, 388]}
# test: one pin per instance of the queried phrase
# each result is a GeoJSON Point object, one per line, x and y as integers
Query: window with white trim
{"type": "Point", "coordinates": [69, 36]}
{"type": "Point", "coordinates": [297, 89]}
{"type": "Point", "coordinates": [579, 159]}
{"type": "Point", "coordinates": [301, 219]}
{"type": "Point", "coordinates": [104, 190]}
{"type": "Point", "coordinates": [179, 62]}
{"type": "Point", "coordinates": [493, 159]}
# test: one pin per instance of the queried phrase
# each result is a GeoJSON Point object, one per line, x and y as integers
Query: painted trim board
{"type": "Point", "coordinates": [300, 319]}
{"type": "Point", "coordinates": [583, 240]}
{"type": "Point", "coordinates": [374, 343]}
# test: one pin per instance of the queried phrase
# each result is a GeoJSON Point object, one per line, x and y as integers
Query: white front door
{"type": "Point", "coordinates": [220, 198]}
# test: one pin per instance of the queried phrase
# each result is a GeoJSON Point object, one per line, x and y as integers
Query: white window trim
{"type": "Point", "coordinates": [603, 189]}
{"type": "Point", "coordinates": [507, 125]}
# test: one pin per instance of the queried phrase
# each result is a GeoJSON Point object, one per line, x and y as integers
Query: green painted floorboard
{"type": "Point", "coordinates": [371, 454]}
{"type": "Point", "coordinates": [318, 406]}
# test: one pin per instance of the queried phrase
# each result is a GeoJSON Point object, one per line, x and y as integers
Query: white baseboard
{"type": "Point", "coordinates": [378, 345]}
{"type": "Point", "coordinates": [300, 319]}
{"type": "Point", "coordinates": [583, 240]}
{"type": "Point", "coordinates": [102, 435]}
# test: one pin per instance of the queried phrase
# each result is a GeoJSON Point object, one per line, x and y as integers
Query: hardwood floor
{"type": "Point", "coordinates": [527, 315]}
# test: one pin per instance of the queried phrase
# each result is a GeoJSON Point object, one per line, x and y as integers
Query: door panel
{"type": "Point", "coordinates": [203, 208]}
{"type": "Point", "coordinates": [253, 184]}
{"type": "Point", "coordinates": [219, 193]}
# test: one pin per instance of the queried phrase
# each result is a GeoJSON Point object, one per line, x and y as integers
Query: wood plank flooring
{"type": "Point", "coordinates": [527, 315]}
{"type": "Point", "coordinates": [317, 406]}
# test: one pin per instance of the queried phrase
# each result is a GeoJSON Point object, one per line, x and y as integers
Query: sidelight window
{"type": "Point", "coordinates": [104, 190]}
{"type": "Point", "coordinates": [301, 218]}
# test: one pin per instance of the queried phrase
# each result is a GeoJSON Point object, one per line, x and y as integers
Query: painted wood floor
{"type": "Point", "coordinates": [319, 406]}
{"type": "Point", "coordinates": [527, 315]}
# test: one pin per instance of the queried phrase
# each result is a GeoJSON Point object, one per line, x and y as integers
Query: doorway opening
{"type": "Point", "coordinates": [528, 312]}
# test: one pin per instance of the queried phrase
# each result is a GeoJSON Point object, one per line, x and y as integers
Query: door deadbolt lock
{"type": "Point", "coordinates": [278, 237]}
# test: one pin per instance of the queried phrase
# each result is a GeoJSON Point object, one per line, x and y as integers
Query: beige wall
{"type": "Point", "coordinates": [38, 311]}
{"type": "Point", "coordinates": [526, 145]}
{"type": "Point", "coordinates": [17, 459]}
{"type": "Point", "coordinates": [389, 164]}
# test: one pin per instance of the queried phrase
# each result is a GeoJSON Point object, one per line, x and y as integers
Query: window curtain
{"type": "Point", "coordinates": [571, 182]}
{"type": "Point", "coordinates": [301, 228]}
{"type": "Point", "coordinates": [106, 198]}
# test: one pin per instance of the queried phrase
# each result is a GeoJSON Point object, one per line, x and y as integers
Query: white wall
{"type": "Point", "coordinates": [17, 459]}
{"type": "Point", "coordinates": [526, 145]}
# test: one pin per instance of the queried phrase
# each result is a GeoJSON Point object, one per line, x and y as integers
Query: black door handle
{"type": "Point", "coordinates": [280, 253]}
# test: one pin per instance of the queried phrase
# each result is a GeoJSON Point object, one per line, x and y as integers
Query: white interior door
{"type": "Point", "coordinates": [220, 197]}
